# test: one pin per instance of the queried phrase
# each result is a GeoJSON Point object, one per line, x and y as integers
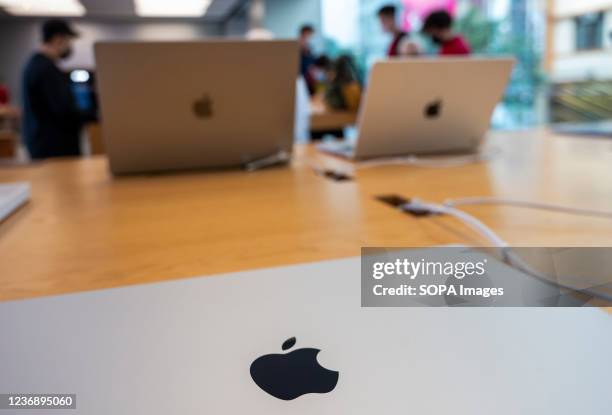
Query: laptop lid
{"type": "Point", "coordinates": [184, 105]}
{"type": "Point", "coordinates": [427, 106]}
{"type": "Point", "coordinates": [202, 346]}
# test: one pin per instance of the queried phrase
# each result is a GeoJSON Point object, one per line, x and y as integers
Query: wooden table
{"type": "Point", "coordinates": [8, 145]}
{"type": "Point", "coordinates": [84, 230]}
{"type": "Point", "coordinates": [331, 120]}
{"type": "Point", "coordinates": [324, 119]}
{"type": "Point", "coordinates": [9, 111]}
{"type": "Point", "coordinates": [9, 117]}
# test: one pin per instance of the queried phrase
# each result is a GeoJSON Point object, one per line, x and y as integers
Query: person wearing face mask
{"type": "Point", "coordinates": [52, 121]}
{"type": "Point", "coordinates": [439, 26]}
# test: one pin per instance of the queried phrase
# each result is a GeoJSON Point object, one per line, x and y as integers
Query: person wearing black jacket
{"type": "Point", "coordinates": [52, 121]}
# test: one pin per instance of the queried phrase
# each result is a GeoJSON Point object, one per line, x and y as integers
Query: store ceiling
{"type": "Point", "coordinates": [218, 10]}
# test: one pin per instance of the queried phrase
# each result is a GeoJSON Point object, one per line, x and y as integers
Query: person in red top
{"type": "Point", "coordinates": [439, 26]}
{"type": "Point", "coordinates": [388, 21]}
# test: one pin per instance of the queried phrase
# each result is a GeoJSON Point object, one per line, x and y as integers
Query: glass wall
{"type": "Point", "coordinates": [580, 63]}
{"type": "Point", "coordinates": [493, 27]}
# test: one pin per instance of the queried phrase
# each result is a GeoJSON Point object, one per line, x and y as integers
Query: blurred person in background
{"type": "Point", "coordinates": [343, 90]}
{"type": "Point", "coordinates": [339, 88]}
{"type": "Point", "coordinates": [52, 121]}
{"type": "Point", "coordinates": [401, 45]}
{"type": "Point", "coordinates": [320, 71]}
{"type": "Point", "coordinates": [307, 58]}
{"type": "Point", "coordinates": [439, 27]}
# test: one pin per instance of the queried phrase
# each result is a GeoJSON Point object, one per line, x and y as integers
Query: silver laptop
{"type": "Point", "coordinates": [426, 106]}
{"type": "Point", "coordinates": [12, 197]}
{"type": "Point", "coordinates": [189, 105]}
{"type": "Point", "coordinates": [295, 341]}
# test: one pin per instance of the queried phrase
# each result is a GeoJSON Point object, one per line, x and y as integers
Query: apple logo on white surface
{"type": "Point", "coordinates": [294, 374]}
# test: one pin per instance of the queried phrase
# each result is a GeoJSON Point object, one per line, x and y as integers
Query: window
{"type": "Point", "coordinates": [589, 31]}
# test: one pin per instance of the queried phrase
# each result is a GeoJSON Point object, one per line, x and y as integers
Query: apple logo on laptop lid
{"type": "Point", "coordinates": [203, 107]}
{"type": "Point", "coordinates": [433, 109]}
{"type": "Point", "coordinates": [294, 374]}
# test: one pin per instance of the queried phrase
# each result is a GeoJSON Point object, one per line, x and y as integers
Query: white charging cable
{"type": "Point", "coordinates": [524, 204]}
{"type": "Point", "coordinates": [419, 207]}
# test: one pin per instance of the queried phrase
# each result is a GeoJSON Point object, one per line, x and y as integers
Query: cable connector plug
{"type": "Point", "coordinates": [418, 208]}
{"type": "Point", "coordinates": [414, 207]}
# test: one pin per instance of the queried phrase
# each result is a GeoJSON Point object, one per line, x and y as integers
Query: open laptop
{"type": "Point", "coordinates": [210, 346]}
{"type": "Point", "coordinates": [426, 106]}
{"type": "Point", "coordinates": [188, 105]}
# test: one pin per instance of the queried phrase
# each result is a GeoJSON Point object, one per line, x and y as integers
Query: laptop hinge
{"type": "Point", "coordinates": [282, 157]}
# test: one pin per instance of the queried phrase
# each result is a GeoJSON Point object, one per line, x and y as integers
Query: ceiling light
{"type": "Point", "coordinates": [43, 7]}
{"type": "Point", "coordinates": [171, 8]}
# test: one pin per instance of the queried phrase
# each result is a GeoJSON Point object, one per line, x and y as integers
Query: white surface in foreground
{"type": "Point", "coordinates": [12, 196]}
{"type": "Point", "coordinates": [185, 347]}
